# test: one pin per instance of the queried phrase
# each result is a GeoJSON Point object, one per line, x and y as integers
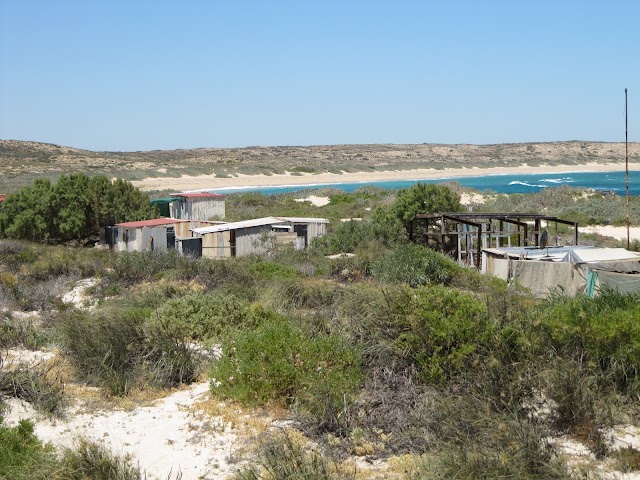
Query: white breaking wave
{"type": "Point", "coordinates": [517, 182]}
{"type": "Point", "coordinates": [558, 180]}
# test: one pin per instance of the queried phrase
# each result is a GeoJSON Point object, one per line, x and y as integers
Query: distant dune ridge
{"type": "Point", "coordinates": [23, 160]}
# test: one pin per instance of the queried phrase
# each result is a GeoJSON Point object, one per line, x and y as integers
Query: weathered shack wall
{"type": "Point", "coordinates": [316, 230]}
{"type": "Point", "coordinates": [216, 245]}
{"type": "Point", "coordinates": [198, 208]}
{"type": "Point", "coordinates": [251, 240]}
{"type": "Point", "coordinates": [142, 239]}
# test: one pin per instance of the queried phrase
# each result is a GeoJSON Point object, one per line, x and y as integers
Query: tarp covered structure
{"type": "Point", "coordinates": [574, 269]}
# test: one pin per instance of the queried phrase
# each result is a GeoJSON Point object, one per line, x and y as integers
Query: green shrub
{"type": "Point", "coordinates": [23, 456]}
{"type": "Point", "coordinates": [603, 331]}
{"type": "Point", "coordinates": [293, 295]}
{"type": "Point", "coordinates": [91, 461]}
{"type": "Point", "coordinates": [279, 362]}
{"type": "Point", "coordinates": [444, 330]}
{"type": "Point", "coordinates": [201, 316]}
{"type": "Point", "coordinates": [414, 265]}
{"type": "Point", "coordinates": [345, 237]}
{"type": "Point", "coordinates": [268, 270]}
{"type": "Point", "coordinates": [113, 348]}
{"type": "Point", "coordinates": [133, 267]}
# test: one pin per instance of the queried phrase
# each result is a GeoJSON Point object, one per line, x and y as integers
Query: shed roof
{"type": "Point", "coordinates": [151, 223]}
{"type": "Point", "coordinates": [304, 219]}
{"type": "Point", "coordinates": [256, 222]}
{"type": "Point", "coordinates": [198, 195]}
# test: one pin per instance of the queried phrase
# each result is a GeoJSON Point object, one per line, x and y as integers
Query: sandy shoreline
{"type": "Point", "coordinates": [187, 182]}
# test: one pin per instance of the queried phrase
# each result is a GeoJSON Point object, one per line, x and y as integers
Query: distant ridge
{"type": "Point", "coordinates": [23, 160]}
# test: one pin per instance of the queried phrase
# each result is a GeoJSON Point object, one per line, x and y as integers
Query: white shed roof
{"type": "Point", "coordinates": [304, 220]}
{"type": "Point", "coordinates": [256, 222]}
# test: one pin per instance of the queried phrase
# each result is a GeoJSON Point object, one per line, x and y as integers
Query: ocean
{"type": "Point", "coordinates": [511, 183]}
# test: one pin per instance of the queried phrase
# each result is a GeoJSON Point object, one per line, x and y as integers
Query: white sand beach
{"type": "Point", "coordinates": [187, 182]}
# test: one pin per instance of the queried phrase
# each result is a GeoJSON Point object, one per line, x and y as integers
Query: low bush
{"type": "Point", "coordinates": [279, 362]}
{"type": "Point", "coordinates": [91, 461]}
{"type": "Point", "coordinates": [281, 457]}
{"type": "Point", "coordinates": [289, 295]}
{"type": "Point", "coordinates": [473, 443]}
{"type": "Point", "coordinates": [38, 385]}
{"type": "Point", "coordinates": [603, 331]}
{"type": "Point", "coordinates": [345, 237]}
{"type": "Point", "coordinates": [414, 265]}
{"type": "Point", "coordinates": [23, 456]}
{"type": "Point", "coordinates": [15, 332]}
{"type": "Point", "coordinates": [113, 348]}
{"type": "Point", "coordinates": [201, 316]}
{"type": "Point", "coordinates": [444, 331]}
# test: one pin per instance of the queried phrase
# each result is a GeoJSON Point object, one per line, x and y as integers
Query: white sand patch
{"type": "Point", "coordinates": [315, 200]}
{"type": "Point", "coordinates": [78, 296]}
{"type": "Point", "coordinates": [169, 436]}
{"type": "Point", "coordinates": [341, 255]}
{"type": "Point", "coordinates": [468, 199]}
{"type": "Point", "coordinates": [619, 233]}
{"type": "Point", "coordinates": [15, 356]}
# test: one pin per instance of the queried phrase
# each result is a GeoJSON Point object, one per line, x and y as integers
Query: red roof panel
{"type": "Point", "coordinates": [151, 223]}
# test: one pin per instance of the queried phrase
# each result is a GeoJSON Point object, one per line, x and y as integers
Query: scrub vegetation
{"type": "Point", "coordinates": [394, 354]}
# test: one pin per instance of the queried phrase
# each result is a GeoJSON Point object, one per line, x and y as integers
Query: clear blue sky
{"type": "Point", "coordinates": [138, 75]}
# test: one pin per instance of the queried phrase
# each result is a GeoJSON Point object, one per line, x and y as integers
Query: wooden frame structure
{"type": "Point", "coordinates": [458, 234]}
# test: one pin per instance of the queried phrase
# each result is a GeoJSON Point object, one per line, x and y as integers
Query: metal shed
{"type": "Point", "coordinates": [237, 239]}
{"type": "Point", "coordinates": [147, 235]}
{"type": "Point", "coordinates": [197, 206]}
{"type": "Point", "coordinates": [306, 229]}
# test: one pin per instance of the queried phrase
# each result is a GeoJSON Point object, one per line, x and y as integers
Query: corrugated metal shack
{"type": "Point", "coordinates": [237, 239]}
{"type": "Point", "coordinates": [147, 235]}
{"type": "Point", "coordinates": [306, 229]}
{"type": "Point", "coordinates": [575, 269]}
{"type": "Point", "coordinates": [197, 206]}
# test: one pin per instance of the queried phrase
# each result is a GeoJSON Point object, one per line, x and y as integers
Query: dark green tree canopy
{"type": "Point", "coordinates": [74, 208]}
{"type": "Point", "coordinates": [424, 198]}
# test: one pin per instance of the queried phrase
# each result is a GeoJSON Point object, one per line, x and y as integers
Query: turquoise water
{"type": "Point", "coordinates": [529, 183]}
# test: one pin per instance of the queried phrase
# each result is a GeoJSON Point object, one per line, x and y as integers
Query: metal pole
{"type": "Point", "coordinates": [626, 156]}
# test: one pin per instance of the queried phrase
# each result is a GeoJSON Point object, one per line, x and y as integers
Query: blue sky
{"type": "Point", "coordinates": [139, 75]}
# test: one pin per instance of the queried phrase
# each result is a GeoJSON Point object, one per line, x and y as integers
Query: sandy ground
{"type": "Point", "coordinates": [315, 200]}
{"type": "Point", "coordinates": [187, 182]}
{"type": "Point", "coordinates": [619, 233]}
{"type": "Point", "coordinates": [170, 436]}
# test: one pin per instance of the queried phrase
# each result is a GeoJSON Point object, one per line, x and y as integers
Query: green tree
{"type": "Point", "coordinates": [423, 198]}
{"type": "Point", "coordinates": [74, 208]}
{"type": "Point", "coordinates": [28, 213]}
